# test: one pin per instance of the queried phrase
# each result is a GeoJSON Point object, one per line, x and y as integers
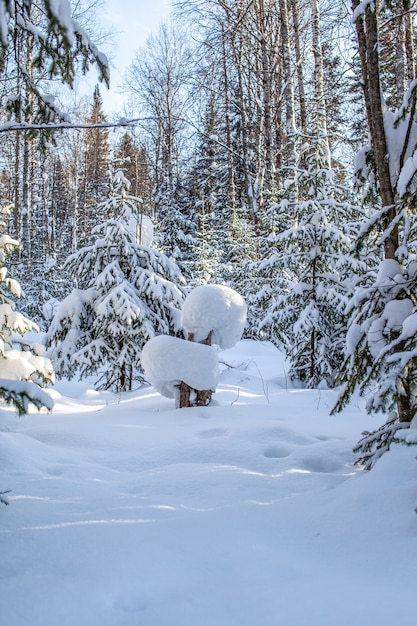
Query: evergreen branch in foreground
{"type": "Point", "coordinates": [2, 499]}
{"type": "Point", "coordinates": [374, 444]}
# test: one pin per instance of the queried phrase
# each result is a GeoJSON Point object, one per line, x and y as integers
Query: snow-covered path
{"type": "Point", "coordinates": [127, 512]}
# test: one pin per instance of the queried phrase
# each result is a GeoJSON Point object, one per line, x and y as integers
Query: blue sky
{"type": "Point", "coordinates": [133, 21]}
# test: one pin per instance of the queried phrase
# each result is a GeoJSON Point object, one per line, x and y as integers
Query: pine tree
{"type": "Point", "coordinates": [240, 254]}
{"type": "Point", "coordinates": [96, 165]}
{"type": "Point", "coordinates": [206, 268]}
{"type": "Point", "coordinates": [126, 294]}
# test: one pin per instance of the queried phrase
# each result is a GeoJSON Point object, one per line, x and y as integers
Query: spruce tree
{"type": "Point", "coordinates": [381, 344]}
{"type": "Point", "coordinates": [176, 227]}
{"type": "Point", "coordinates": [60, 40]}
{"type": "Point", "coordinates": [126, 294]}
{"type": "Point", "coordinates": [308, 275]}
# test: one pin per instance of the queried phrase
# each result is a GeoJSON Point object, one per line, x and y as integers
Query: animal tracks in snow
{"type": "Point", "coordinates": [276, 452]}
{"type": "Point", "coordinates": [212, 432]}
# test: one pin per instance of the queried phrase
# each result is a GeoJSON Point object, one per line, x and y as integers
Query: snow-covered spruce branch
{"type": "Point", "coordinates": [21, 394]}
{"type": "Point", "coordinates": [374, 444]}
{"type": "Point", "coordinates": [2, 498]}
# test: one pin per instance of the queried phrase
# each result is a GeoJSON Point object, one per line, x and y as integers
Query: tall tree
{"type": "Point", "coordinates": [94, 181]}
{"type": "Point", "coordinates": [157, 78]}
{"type": "Point", "coordinates": [381, 346]}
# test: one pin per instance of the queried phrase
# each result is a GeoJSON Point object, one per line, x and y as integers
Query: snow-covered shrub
{"type": "Point", "coordinates": [127, 294]}
{"type": "Point", "coordinates": [169, 361]}
{"type": "Point", "coordinates": [217, 310]}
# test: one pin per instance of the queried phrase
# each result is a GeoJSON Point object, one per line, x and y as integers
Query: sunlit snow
{"type": "Point", "coordinates": [127, 512]}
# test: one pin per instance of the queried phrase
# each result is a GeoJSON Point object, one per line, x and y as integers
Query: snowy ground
{"type": "Point", "coordinates": [127, 512]}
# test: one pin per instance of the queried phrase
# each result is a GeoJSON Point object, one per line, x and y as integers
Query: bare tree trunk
{"type": "Point", "coordinates": [288, 83]}
{"type": "Point", "coordinates": [230, 169]}
{"type": "Point", "coordinates": [27, 175]}
{"type": "Point", "coordinates": [400, 54]}
{"type": "Point", "coordinates": [266, 79]}
{"type": "Point", "coordinates": [245, 157]}
{"type": "Point", "coordinates": [299, 61]}
{"type": "Point", "coordinates": [320, 100]}
{"type": "Point", "coordinates": [409, 40]}
{"type": "Point", "coordinates": [291, 153]}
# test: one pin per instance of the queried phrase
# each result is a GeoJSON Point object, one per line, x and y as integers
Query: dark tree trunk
{"type": "Point", "coordinates": [202, 397]}
{"type": "Point", "coordinates": [367, 34]}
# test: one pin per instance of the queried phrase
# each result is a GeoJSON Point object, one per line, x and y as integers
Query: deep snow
{"type": "Point", "coordinates": [127, 512]}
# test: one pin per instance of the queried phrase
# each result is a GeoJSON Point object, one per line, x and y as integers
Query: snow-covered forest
{"type": "Point", "coordinates": [259, 189]}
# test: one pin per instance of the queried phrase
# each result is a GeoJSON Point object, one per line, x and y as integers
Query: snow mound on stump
{"type": "Point", "coordinates": [217, 309]}
{"type": "Point", "coordinates": [167, 361]}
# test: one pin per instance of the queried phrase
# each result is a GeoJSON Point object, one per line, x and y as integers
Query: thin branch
{"type": "Point", "coordinates": [16, 126]}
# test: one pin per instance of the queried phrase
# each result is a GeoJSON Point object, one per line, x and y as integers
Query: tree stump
{"type": "Point", "coordinates": [185, 395]}
{"type": "Point", "coordinates": [202, 397]}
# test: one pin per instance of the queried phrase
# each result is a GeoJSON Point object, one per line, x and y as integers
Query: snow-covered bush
{"type": "Point", "coordinates": [169, 361]}
{"type": "Point", "coordinates": [127, 294]}
{"type": "Point", "coordinates": [214, 310]}
{"type": "Point", "coordinates": [22, 364]}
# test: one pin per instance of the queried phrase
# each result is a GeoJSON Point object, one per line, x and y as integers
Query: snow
{"type": "Point", "coordinates": [353, 337]}
{"type": "Point", "coordinates": [215, 309]}
{"type": "Point", "coordinates": [396, 312]}
{"type": "Point", "coordinates": [125, 511]}
{"type": "Point", "coordinates": [406, 174]}
{"type": "Point", "coordinates": [389, 279]}
{"type": "Point", "coordinates": [167, 361]}
{"type": "Point", "coordinates": [4, 23]}
{"type": "Point", "coordinates": [396, 125]}
{"type": "Point", "coordinates": [142, 227]}
{"type": "Point", "coordinates": [409, 327]}
{"type": "Point", "coordinates": [61, 10]}
{"type": "Point", "coordinates": [29, 389]}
